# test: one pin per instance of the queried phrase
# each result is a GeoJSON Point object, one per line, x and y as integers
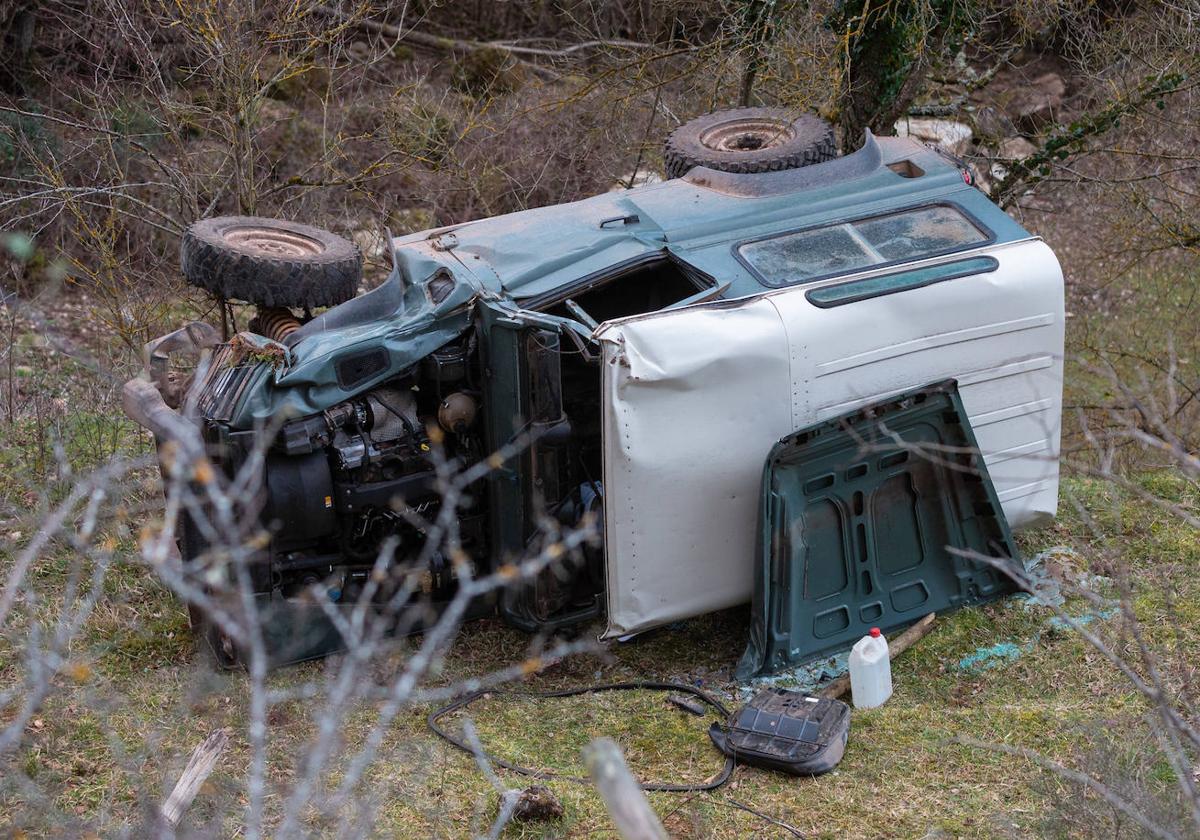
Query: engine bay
{"type": "Point", "coordinates": [359, 481]}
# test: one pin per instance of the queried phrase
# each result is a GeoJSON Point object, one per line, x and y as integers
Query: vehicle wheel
{"type": "Point", "coordinates": [749, 140]}
{"type": "Point", "coordinates": [270, 262]}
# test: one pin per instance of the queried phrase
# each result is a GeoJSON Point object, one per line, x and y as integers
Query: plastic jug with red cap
{"type": "Point", "coordinates": [870, 671]}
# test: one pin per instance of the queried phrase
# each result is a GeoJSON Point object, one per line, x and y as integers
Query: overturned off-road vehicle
{"type": "Point", "coordinates": [648, 349]}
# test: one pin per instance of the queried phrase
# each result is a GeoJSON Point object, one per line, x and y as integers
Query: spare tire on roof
{"type": "Point", "coordinates": [270, 262]}
{"type": "Point", "coordinates": [749, 140]}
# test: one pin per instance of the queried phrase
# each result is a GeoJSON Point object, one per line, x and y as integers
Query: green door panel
{"type": "Point", "coordinates": [860, 519]}
{"type": "Point", "coordinates": [506, 409]}
{"type": "Point", "coordinates": [523, 410]}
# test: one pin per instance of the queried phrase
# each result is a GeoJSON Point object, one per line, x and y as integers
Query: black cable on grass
{"type": "Point", "coordinates": [712, 784]}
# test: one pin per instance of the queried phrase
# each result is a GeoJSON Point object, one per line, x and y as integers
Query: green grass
{"type": "Point", "coordinates": [116, 732]}
{"type": "Point", "coordinates": [112, 743]}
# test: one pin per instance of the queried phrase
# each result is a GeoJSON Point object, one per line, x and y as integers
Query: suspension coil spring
{"type": "Point", "coordinates": [275, 322]}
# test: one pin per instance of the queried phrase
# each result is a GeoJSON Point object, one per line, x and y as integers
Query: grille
{"type": "Point", "coordinates": [223, 384]}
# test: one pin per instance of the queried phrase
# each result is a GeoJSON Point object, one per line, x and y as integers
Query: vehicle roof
{"type": "Point", "coordinates": [534, 256]}
{"type": "Point", "coordinates": [699, 218]}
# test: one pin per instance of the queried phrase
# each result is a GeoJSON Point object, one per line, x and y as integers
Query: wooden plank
{"type": "Point", "coordinates": [203, 760]}
{"type": "Point", "coordinates": [623, 796]}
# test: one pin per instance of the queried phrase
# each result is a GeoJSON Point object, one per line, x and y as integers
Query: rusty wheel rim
{"type": "Point", "coordinates": [747, 135]}
{"type": "Point", "coordinates": [272, 242]}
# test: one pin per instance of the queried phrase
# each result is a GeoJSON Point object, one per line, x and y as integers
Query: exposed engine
{"type": "Point", "coordinates": [342, 483]}
{"type": "Point", "coordinates": [358, 481]}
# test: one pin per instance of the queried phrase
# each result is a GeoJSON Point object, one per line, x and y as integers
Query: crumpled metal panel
{"type": "Point", "coordinates": [527, 255]}
{"type": "Point", "coordinates": [862, 517]}
{"type": "Point", "coordinates": [692, 405]}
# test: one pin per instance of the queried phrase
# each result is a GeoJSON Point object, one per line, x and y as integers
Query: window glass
{"type": "Point", "coordinates": [851, 246]}
{"type": "Point", "coordinates": [900, 281]}
{"type": "Point", "coordinates": [926, 231]}
{"type": "Point", "coordinates": [809, 253]}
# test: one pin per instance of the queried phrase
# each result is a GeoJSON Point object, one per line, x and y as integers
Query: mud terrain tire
{"type": "Point", "coordinates": [749, 140]}
{"type": "Point", "coordinates": [270, 262]}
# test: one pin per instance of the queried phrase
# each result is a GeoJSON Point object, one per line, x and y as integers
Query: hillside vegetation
{"type": "Point", "coordinates": [123, 121]}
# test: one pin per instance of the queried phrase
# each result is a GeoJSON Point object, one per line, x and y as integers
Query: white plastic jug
{"type": "Point", "coordinates": [870, 671]}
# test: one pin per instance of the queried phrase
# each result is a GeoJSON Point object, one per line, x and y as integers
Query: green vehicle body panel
{"type": "Point", "coordinates": [859, 521]}
{"type": "Point", "coordinates": [522, 260]}
{"type": "Point", "coordinates": [515, 412]}
{"type": "Point", "coordinates": [505, 402]}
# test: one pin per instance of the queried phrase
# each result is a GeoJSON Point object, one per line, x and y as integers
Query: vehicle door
{"type": "Point", "coordinates": [526, 430]}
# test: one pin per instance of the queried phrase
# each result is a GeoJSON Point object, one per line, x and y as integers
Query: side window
{"type": "Point", "coordinates": [845, 247]}
{"type": "Point", "coordinates": [852, 291]}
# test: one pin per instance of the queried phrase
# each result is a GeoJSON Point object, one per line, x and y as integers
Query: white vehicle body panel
{"type": "Point", "coordinates": [694, 399]}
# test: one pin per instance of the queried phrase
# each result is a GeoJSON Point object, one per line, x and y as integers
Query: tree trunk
{"type": "Point", "coordinates": [886, 54]}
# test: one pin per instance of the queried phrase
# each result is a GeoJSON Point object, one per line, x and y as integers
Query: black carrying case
{"type": "Point", "coordinates": [786, 730]}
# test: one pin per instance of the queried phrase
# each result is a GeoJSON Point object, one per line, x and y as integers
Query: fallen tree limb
{"type": "Point", "coordinates": [434, 42]}
{"type": "Point", "coordinates": [566, 52]}
{"type": "Point", "coordinates": [457, 45]}
{"type": "Point", "coordinates": [896, 647]}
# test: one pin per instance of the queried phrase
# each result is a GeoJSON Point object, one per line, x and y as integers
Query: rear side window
{"type": "Point", "coordinates": [852, 291]}
{"type": "Point", "coordinates": [841, 248]}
